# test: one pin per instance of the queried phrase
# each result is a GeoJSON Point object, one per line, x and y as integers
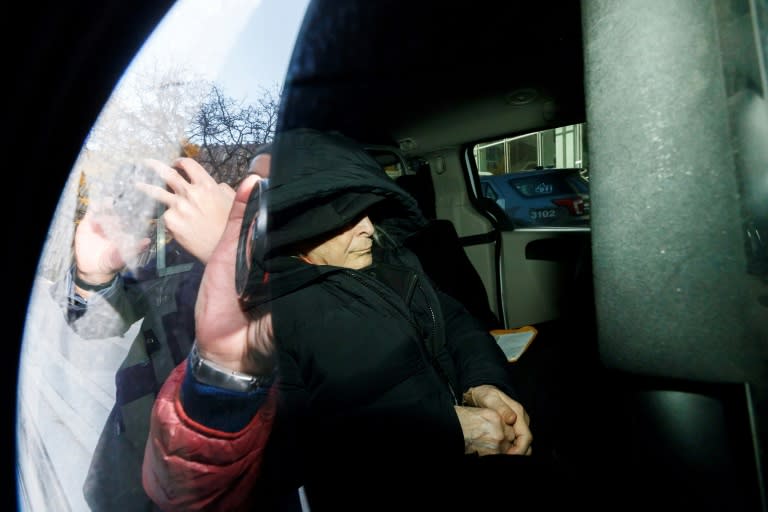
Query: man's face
{"type": "Point", "coordinates": [350, 248]}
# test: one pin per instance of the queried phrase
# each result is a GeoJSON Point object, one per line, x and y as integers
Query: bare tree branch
{"type": "Point", "coordinates": [228, 133]}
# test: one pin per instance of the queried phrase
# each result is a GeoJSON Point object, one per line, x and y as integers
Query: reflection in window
{"type": "Point", "coordinates": [538, 179]}
{"type": "Point", "coordinates": [97, 346]}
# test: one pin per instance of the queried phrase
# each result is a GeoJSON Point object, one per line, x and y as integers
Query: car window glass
{"type": "Point", "coordinates": [206, 86]}
{"type": "Point", "coordinates": [538, 179]}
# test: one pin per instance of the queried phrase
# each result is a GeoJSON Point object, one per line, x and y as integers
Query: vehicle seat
{"type": "Point", "coordinates": [420, 186]}
{"type": "Point", "coordinates": [439, 248]}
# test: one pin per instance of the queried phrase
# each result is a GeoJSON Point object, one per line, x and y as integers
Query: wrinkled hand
{"type": "Point", "coordinates": [102, 248]}
{"type": "Point", "coordinates": [484, 431]}
{"type": "Point", "coordinates": [225, 334]}
{"type": "Point", "coordinates": [197, 209]}
{"type": "Point", "coordinates": [512, 414]}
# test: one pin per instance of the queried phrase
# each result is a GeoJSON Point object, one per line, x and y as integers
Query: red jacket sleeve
{"type": "Point", "coordinates": [188, 466]}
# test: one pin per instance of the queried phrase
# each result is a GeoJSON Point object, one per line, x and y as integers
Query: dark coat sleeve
{"type": "Point", "coordinates": [477, 357]}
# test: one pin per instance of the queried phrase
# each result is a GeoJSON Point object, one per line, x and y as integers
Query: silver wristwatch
{"type": "Point", "coordinates": [208, 372]}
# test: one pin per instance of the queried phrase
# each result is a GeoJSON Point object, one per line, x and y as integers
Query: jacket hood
{"type": "Point", "coordinates": [319, 183]}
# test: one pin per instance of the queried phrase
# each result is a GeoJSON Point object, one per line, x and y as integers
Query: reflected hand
{"type": "Point", "coordinates": [226, 334]}
{"type": "Point", "coordinates": [197, 209]}
{"type": "Point", "coordinates": [512, 413]}
{"type": "Point", "coordinates": [102, 248]}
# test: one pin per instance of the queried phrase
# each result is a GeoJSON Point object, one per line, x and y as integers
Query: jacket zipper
{"type": "Point", "coordinates": [435, 363]}
{"type": "Point", "coordinates": [373, 284]}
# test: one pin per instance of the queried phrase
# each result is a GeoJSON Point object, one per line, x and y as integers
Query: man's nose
{"type": "Point", "coordinates": [365, 226]}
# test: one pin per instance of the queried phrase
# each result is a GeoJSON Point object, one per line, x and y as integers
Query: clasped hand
{"type": "Point", "coordinates": [493, 423]}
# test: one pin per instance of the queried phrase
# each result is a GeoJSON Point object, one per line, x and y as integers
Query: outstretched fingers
{"type": "Point", "coordinates": [170, 176]}
{"type": "Point", "coordinates": [195, 172]}
{"type": "Point", "coordinates": [157, 193]}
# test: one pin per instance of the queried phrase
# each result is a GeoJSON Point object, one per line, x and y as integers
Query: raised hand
{"type": "Point", "coordinates": [102, 247]}
{"type": "Point", "coordinates": [197, 209]}
{"type": "Point", "coordinates": [226, 334]}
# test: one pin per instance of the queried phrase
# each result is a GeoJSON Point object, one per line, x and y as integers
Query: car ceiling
{"type": "Point", "coordinates": [436, 73]}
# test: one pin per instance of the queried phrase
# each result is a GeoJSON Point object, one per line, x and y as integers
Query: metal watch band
{"type": "Point", "coordinates": [208, 372]}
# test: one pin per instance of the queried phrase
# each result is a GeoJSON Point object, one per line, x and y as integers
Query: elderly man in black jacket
{"type": "Point", "coordinates": [335, 364]}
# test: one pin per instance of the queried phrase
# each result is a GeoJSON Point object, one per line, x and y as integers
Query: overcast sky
{"type": "Point", "coordinates": [241, 45]}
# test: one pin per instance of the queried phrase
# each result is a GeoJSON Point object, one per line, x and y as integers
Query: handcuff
{"type": "Point", "coordinates": [208, 372]}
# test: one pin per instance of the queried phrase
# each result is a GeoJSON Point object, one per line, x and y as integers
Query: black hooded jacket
{"type": "Point", "coordinates": [371, 362]}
